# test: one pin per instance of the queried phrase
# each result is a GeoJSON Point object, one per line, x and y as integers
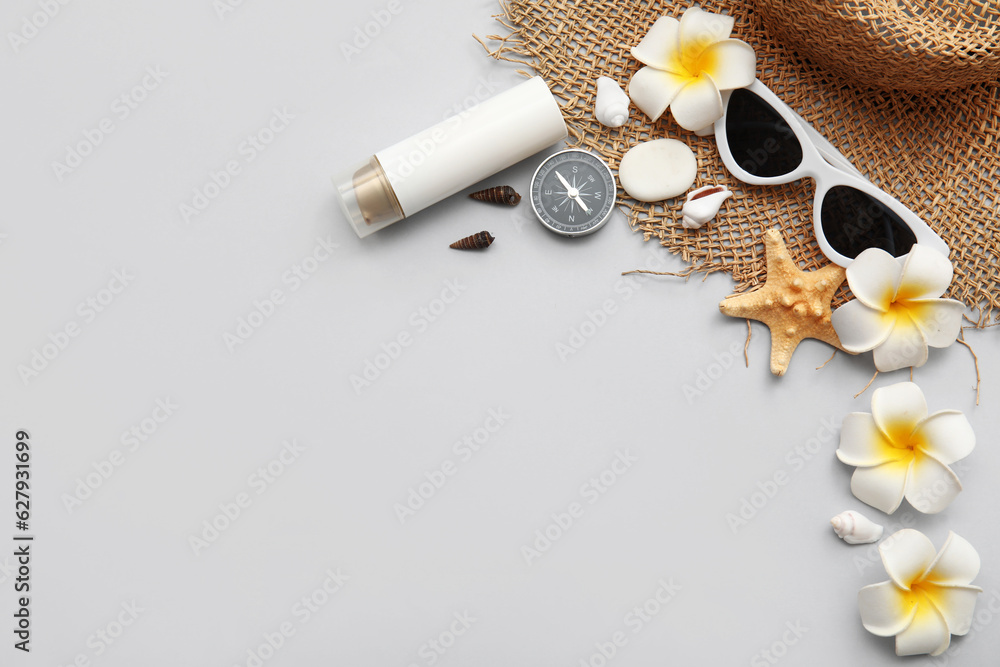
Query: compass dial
{"type": "Point", "coordinates": [573, 192]}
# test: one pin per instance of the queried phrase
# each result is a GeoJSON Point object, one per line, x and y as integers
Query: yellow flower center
{"type": "Point", "coordinates": [697, 58]}
{"type": "Point", "coordinates": [926, 593]}
{"type": "Point", "coordinates": [901, 436]}
{"type": "Point", "coordinates": [907, 444]}
{"type": "Point", "coordinates": [903, 312]}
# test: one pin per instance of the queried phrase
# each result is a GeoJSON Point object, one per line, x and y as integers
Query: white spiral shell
{"type": "Point", "coordinates": [855, 528]}
{"type": "Point", "coordinates": [699, 207]}
{"type": "Point", "coordinates": [611, 103]}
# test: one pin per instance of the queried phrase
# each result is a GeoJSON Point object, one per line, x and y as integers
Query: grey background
{"type": "Point", "coordinates": [697, 457]}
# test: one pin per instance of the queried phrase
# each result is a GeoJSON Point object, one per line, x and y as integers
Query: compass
{"type": "Point", "coordinates": [573, 192]}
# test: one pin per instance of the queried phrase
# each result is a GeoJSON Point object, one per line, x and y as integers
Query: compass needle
{"type": "Point", "coordinates": [563, 181]}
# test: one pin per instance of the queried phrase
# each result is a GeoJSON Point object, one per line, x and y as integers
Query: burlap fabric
{"type": "Point", "coordinates": [938, 153]}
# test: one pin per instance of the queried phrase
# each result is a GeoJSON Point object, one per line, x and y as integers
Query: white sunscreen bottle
{"type": "Point", "coordinates": [454, 154]}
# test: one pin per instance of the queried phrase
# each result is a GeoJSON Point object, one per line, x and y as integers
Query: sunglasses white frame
{"type": "Point", "coordinates": [824, 164]}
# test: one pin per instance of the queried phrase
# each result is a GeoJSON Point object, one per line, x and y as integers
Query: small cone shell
{"type": "Point", "coordinates": [855, 528]}
{"type": "Point", "coordinates": [611, 103]}
{"type": "Point", "coordinates": [703, 204]}
{"type": "Point", "coordinates": [500, 194]}
{"type": "Point", "coordinates": [477, 241]}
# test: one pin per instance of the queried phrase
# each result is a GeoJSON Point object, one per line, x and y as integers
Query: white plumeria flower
{"type": "Point", "coordinates": [897, 311]}
{"type": "Point", "coordinates": [928, 597]}
{"type": "Point", "coordinates": [687, 63]}
{"type": "Point", "coordinates": [900, 451]}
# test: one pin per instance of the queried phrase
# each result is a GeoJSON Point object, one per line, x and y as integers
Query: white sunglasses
{"type": "Point", "coordinates": [764, 142]}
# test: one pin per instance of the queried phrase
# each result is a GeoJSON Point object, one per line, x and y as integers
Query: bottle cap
{"type": "Point", "coordinates": [366, 197]}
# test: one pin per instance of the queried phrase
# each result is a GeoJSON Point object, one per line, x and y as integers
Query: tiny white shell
{"type": "Point", "coordinates": [611, 103]}
{"type": "Point", "coordinates": [855, 528]}
{"type": "Point", "coordinates": [699, 208]}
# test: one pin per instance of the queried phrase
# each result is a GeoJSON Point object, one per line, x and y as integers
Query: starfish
{"type": "Point", "coordinates": [794, 304]}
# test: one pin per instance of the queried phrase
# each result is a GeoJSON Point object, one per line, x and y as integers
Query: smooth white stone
{"type": "Point", "coordinates": [657, 170]}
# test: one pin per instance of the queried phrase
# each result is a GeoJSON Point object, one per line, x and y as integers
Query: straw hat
{"type": "Point", "coordinates": [906, 89]}
{"type": "Point", "coordinates": [918, 45]}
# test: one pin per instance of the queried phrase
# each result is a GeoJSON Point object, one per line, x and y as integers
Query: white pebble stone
{"type": "Point", "coordinates": [657, 170]}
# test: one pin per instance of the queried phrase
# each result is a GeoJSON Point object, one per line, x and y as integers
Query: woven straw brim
{"type": "Point", "coordinates": [918, 45]}
{"type": "Point", "coordinates": [937, 153]}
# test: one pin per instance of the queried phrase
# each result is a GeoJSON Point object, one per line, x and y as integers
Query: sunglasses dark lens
{"type": "Point", "coordinates": [759, 138]}
{"type": "Point", "coordinates": [854, 221]}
